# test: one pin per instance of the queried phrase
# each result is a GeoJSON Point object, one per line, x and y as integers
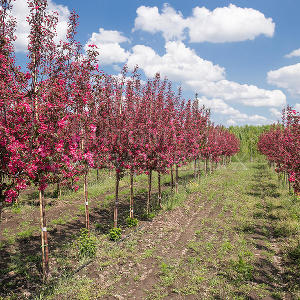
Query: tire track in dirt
{"type": "Point", "coordinates": [169, 233]}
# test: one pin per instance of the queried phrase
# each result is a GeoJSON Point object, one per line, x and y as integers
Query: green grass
{"type": "Point", "coordinates": [221, 254]}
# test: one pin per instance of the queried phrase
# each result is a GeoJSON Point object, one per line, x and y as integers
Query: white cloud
{"type": "Point", "coordinates": [108, 36]}
{"type": "Point", "coordinates": [169, 22]}
{"type": "Point", "coordinates": [20, 12]}
{"type": "Point", "coordinates": [294, 53]}
{"type": "Point", "coordinates": [223, 24]}
{"type": "Point", "coordinates": [257, 118]}
{"type": "Point", "coordinates": [218, 106]}
{"type": "Point", "coordinates": [179, 63]}
{"type": "Point", "coordinates": [183, 65]}
{"type": "Point", "coordinates": [287, 77]}
{"type": "Point", "coordinates": [275, 112]}
{"type": "Point", "coordinates": [297, 107]}
{"type": "Point", "coordinates": [108, 43]}
{"type": "Point", "coordinates": [249, 95]}
{"type": "Point", "coordinates": [228, 24]}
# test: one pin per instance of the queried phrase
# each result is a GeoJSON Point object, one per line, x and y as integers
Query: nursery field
{"type": "Point", "coordinates": [233, 234]}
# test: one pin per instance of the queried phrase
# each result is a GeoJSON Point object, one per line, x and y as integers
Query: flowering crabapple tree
{"type": "Point", "coordinates": [12, 86]}
{"type": "Point", "coordinates": [41, 141]}
{"type": "Point", "coordinates": [281, 145]}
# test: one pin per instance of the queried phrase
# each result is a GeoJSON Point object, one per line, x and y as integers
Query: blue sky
{"type": "Point", "coordinates": [240, 56]}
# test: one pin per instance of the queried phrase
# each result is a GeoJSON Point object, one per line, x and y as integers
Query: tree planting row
{"type": "Point", "coordinates": [60, 116]}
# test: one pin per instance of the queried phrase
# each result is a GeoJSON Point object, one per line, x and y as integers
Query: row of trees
{"type": "Point", "coordinates": [281, 146]}
{"type": "Point", "coordinates": [62, 116]}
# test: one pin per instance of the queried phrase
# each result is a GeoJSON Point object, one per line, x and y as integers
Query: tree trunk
{"type": "Point", "coordinates": [116, 200]}
{"type": "Point", "coordinates": [206, 166]}
{"type": "Point", "coordinates": [44, 235]}
{"type": "Point", "coordinates": [85, 192]}
{"type": "Point", "coordinates": [159, 189]}
{"type": "Point", "coordinates": [97, 174]}
{"type": "Point", "coordinates": [131, 194]}
{"type": "Point", "coordinates": [172, 178]}
{"type": "Point", "coordinates": [195, 168]}
{"type": "Point", "coordinates": [58, 190]}
{"type": "Point", "coordinates": [149, 191]}
{"type": "Point", "coordinates": [176, 178]}
{"type": "Point", "coordinates": [1, 203]}
{"type": "Point", "coordinates": [199, 170]}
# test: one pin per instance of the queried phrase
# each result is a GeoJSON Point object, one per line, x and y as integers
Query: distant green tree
{"type": "Point", "coordinates": [248, 135]}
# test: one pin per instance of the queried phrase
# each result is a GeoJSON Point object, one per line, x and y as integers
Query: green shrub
{"type": "Point", "coordinates": [131, 222]}
{"type": "Point", "coordinates": [115, 234]}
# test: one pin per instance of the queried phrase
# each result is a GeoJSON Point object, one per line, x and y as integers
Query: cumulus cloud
{"type": "Point", "coordinates": [218, 106]}
{"type": "Point", "coordinates": [223, 24]}
{"type": "Point", "coordinates": [228, 24]}
{"type": "Point", "coordinates": [179, 63]}
{"type": "Point", "coordinates": [108, 43]}
{"type": "Point", "coordinates": [170, 23]}
{"type": "Point", "coordinates": [183, 65]}
{"type": "Point", "coordinates": [20, 12]}
{"type": "Point", "coordinates": [287, 77]}
{"type": "Point", "coordinates": [249, 95]}
{"type": "Point", "coordinates": [294, 53]}
{"type": "Point", "coordinates": [297, 107]}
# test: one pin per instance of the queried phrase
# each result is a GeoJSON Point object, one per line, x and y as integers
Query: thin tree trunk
{"type": "Point", "coordinates": [199, 170]}
{"type": "Point", "coordinates": [149, 191]}
{"type": "Point", "coordinates": [195, 168]}
{"type": "Point", "coordinates": [1, 204]}
{"type": "Point", "coordinates": [85, 191]}
{"type": "Point", "coordinates": [58, 190]}
{"type": "Point", "coordinates": [206, 166]}
{"type": "Point", "coordinates": [44, 235]}
{"type": "Point", "coordinates": [131, 194]}
{"type": "Point", "coordinates": [176, 178]}
{"type": "Point", "coordinates": [159, 189]}
{"type": "Point", "coordinates": [116, 200]}
{"type": "Point", "coordinates": [172, 178]}
{"type": "Point", "coordinates": [97, 174]}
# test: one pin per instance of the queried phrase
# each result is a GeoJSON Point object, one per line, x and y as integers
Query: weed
{"type": "Point", "coordinates": [16, 208]}
{"type": "Point", "coordinates": [86, 244]}
{"type": "Point", "coordinates": [148, 253]}
{"type": "Point", "coordinates": [26, 233]}
{"type": "Point", "coordinates": [148, 217]}
{"type": "Point", "coordinates": [59, 221]}
{"type": "Point", "coordinates": [243, 269]}
{"type": "Point", "coordinates": [167, 274]}
{"type": "Point", "coordinates": [81, 208]}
